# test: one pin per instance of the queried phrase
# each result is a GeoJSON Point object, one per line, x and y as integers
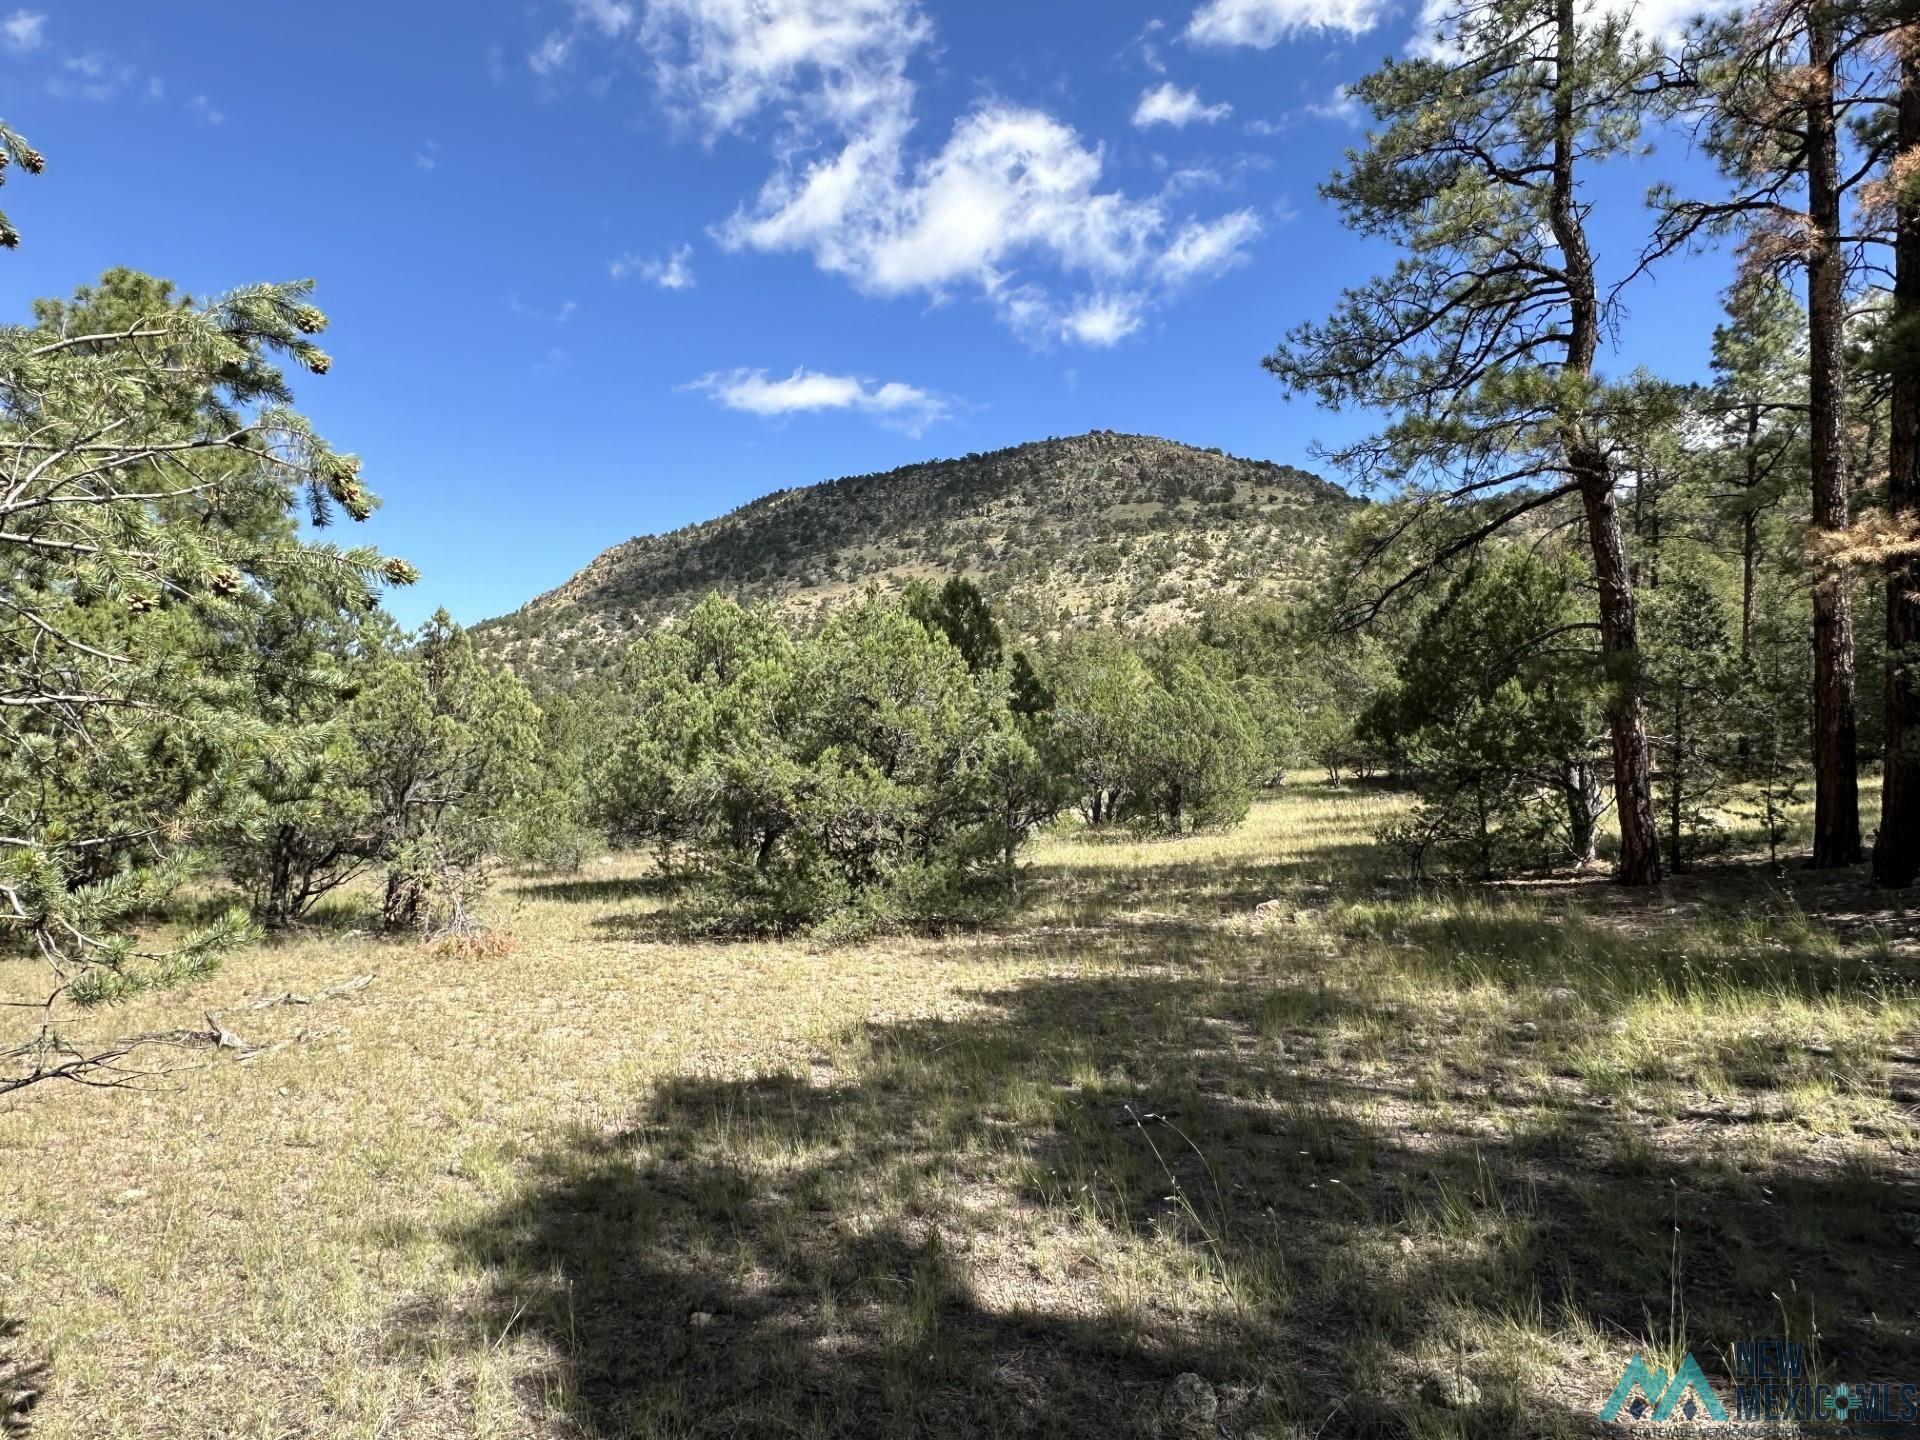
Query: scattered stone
{"type": "Point", "coordinates": [1563, 996]}
{"type": "Point", "coordinates": [1268, 909]}
{"type": "Point", "coordinates": [1191, 1402]}
{"type": "Point", "coordinates": [1450, 1392]}
{"type": "Point", "coordinates": [700, 1319]}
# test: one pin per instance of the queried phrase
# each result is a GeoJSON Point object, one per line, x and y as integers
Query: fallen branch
{"type": "Point", "coordinates": [294, 997]}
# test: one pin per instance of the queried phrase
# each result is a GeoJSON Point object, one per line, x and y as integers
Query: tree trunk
{"type": "Point", "coordinates": [1583, 805]}
{"type": "Point", "coordinates": [1750, 541]}
{"type": "Point", "coordinates": [1836, 798]}
{"type": "Point", "coordinates": [1676, 782]}
{"type": "Point", "coordinates": [1587, 464]}
{"type": "Point", "coordinates": [1896, 851]}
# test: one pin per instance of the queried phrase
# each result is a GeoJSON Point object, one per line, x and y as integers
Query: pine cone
{"type": "Point", "coordinates": [33, 160]}
{"type": "Point", "coordinates": [138, 604]}
{"type": "Point", "coordinates": [226, 582]}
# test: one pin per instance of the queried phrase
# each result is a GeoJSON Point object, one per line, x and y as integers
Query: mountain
{"type": "Point", "coordinates": [1095, 528]}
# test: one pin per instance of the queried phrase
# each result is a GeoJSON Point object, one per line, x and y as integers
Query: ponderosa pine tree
{"type": "Point", "coordinates": [139, 461]}
{"type": "Point", "coordinates": [14, 150]}
{"type": "Point", "coordinates": [1692, 679]}
{"type": "Point", "coordinates": [1777, 91]}
{"type": "Point", "coordinates": [1896, 850]}
{"type": "Point", "coordinates": [1757, 405]}
{"type": "Point", "coordinates": [1483, 340]}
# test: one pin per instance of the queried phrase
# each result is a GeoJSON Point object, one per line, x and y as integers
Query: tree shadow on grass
{"type": "Point", "coordinates": [23, 1376]}
{"type": "Point", "coordinates": [592, 890]}
{"type": "Point", "coordinates": [1033, 1218]}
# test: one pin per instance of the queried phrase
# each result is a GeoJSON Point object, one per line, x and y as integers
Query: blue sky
{"type": "Point", "coordinates": [604, 267]}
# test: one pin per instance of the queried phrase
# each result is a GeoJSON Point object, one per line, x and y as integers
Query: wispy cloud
{"type": "Point", "coordinates": [897, 405]}
{"type": "Point", "coordinates": [206, 111]}
{"type": "Point", "coordinates": [23, 31]}
{"type": "Point", "coordinates": [1263, 24]}
{"type": "Point", "coordinates": [426, 155]}
{"type": "Point", "coordinates": [673, 271]}
{"type": "Point", "coordinates": [556, 317]}
{"type": "Point", "coordinates": [1340, 107]}
{"type": "Point", "coordinates": [1210, 247]}
{"type": "Point", "coordinates": [95, 76]}
{"type": "Point", "coordinates": [1168, 104]}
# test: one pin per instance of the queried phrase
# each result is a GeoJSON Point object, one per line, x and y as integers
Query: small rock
{"type": "Point", "coordinates": [1191, 1402]}
{"type": "Point", "coordinates": [700, 1319]}
{"type": "Point", "coordinates": [1450, 1392]}
{"type": "Point", "coordinates": [1563, 996]}
{"type": "Point", "coordinates": [1268, 909]}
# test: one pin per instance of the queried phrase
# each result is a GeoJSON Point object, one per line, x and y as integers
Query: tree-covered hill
{"type": "Point", "coordinates": [1102, 527]}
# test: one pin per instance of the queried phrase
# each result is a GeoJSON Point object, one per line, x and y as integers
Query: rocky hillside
{"type": "Point", "coordinates": [1103, 527]}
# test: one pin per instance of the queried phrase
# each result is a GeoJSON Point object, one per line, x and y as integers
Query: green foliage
{"type": "Point", "coordinates": [14, 150]}
{"type": "Point", "coordinates": [958, 611]}
{"type": "Point", "coordinates": [1495, 710]}
{"type": "Point", "coordinates": [1163, 736]}
{"type": "Point", "coordinates": [145, 543]}
{"type": "Point", "coordinates": [855, 778]}
{"type": "Point", "coordinates": [1691, 687]}
{"type": "Point", "coordinates": [445, 748]}
{"type": "Point", "coordinates": [300, 825]}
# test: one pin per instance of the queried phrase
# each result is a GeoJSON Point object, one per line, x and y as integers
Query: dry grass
{"type": "Point", "coordinates": [1370, 1162]}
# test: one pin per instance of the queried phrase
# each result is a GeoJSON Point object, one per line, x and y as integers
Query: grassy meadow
{"type": "Point", "coordinates": [1363, 1160]}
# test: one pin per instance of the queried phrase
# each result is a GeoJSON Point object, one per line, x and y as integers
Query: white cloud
{"type": "Point", "coordinates": [901, 406]}
{"type": "Point", "coordinates": [1209, 247]}
{"type": "Point", "coordinates": [673, 271]}
{"type": "Point", "coordinates": [1340, 106]}
{"type": "Point", "coordinates": [550, 54]}
{"type": "Point", "coordinates": [1103, 320]}
{"type": "Point", "coordinates": [609, 17]}
{"type": "Point", "coordinates": [1007, 181]}
{"type": "Point", "coordinates": [91, 76]}
{"type": "Point", "coordinates": [1148, 47]}
{"type": "Point", "coordinates": [1012, 204]}
{"type": "Point", "coordinates": [1011, 185]}
{"type": "Point", "coordinates": [426, 155]}
{"type": "Point", "coordinates": [840, 62]}
{"type": "Point", "coordinates": [24, 30]}
{"type": "Point", "coordinates": [1168, 104]}
{"type": "Point", "coordinates": [1263, 24]}
{"type": "Point", "coordinates": [206, 111]}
